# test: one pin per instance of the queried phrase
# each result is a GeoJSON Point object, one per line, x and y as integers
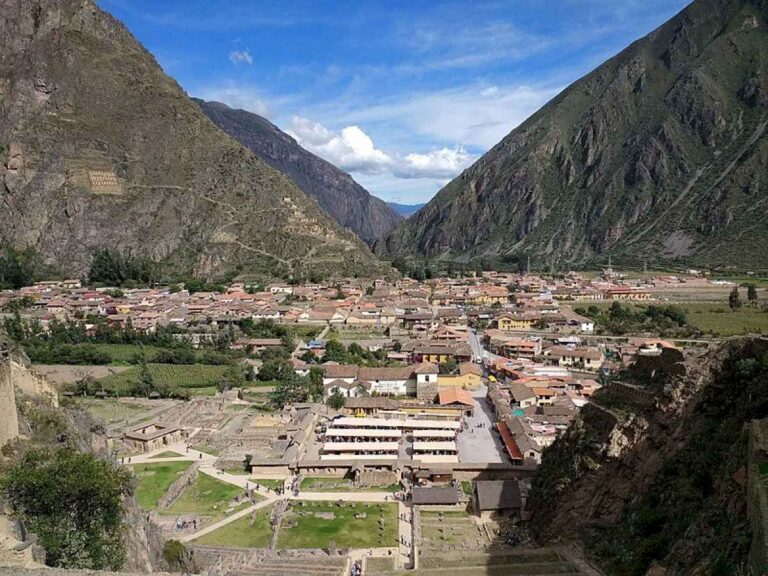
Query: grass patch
{"type": "Point", "coordinates": [206, 495]}
{"type": "Point", "coordinates": [242, 533]}
{"type": "Point", "coordinates": [320, 484]}
{"type": "Point", "coordinates": [197, 376]}
{"type": "Point", "coordinates": [272, 483]}
{"type": "Point", "coordinates": [166, 454]}
{"type": "Point", "coordinates": [154, 481]}
{"type": "Point", "coordinates": [718, 319]}
{"type": "Point", "coordinates": [466, 487]}
{"type": "Point", "coordinates": [302, 528]}
{"type": "Point", "coordinates": [110, 410]}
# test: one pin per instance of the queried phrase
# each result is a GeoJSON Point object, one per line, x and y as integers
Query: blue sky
{"type": "Point", "coordinates": [403, 95]}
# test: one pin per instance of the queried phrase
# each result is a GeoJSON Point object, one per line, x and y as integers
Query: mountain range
{"type": "Point", "coordinates": [658, 155]}
{"type": "Point", "coordinates": [101, 150]}
{"type": "Point", "coordinates": [406, 210]}
{"type": "Point", "coordinates": [351, 205]}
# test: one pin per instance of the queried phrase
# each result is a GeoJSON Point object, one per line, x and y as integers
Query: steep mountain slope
{"type": "Point", "coordinates": [335, 191]}
{"type": "Point", "coordinates": [660, 153]}
{"type": "Point", "coordinates": [100, 149]}
{"type": "Point", "coordinates": [653, 472]}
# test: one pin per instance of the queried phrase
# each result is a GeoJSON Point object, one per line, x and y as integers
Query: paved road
{"type": "Point", "coordinates": [480, 444]}
{"type": "Point", "coordinates": [477, 348]}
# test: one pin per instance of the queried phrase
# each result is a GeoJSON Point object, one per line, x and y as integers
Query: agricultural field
{"type": "Point", "coordinates": [314, 524]}
{"type": "Point", "coordinates": [154, 481]}
{"type": "Point", "coordinates": [251, 531]}
{"type": "Point", "coordinates": [191, 376]}
{"type": "Point", "coordinates": [719, 320]}
{"type": "Point", "coordinates": [713, 318]}
{"type": "Point", "coordinates": [207, 496]}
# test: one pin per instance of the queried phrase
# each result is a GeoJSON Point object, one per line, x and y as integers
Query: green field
{"type": "Point", "coordinates": [319, 484]}
{"type": "Point", "coordinates": [109, 409]}
{"type": "Point", "coordinates": [713, 318]}
{"type": "Point", "coordinates": [194, 376]}
{"type": "Point", "coordinates": [268, 482]}
{"type": "Point", "coordinates": [301, 528]}
{"type": "Point", "coordinates": [154, 481]}
{"type": "Point", "coordinates": [719, 320]}
{"type": "Point", "coordinates": [206, 495]}
{"type": "Point", "coordinates": [242, 533]}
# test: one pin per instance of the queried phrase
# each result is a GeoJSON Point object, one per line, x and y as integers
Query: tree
{"type": "Point", "coordinates": [233, 377]}
{"type": "Point", "coordinates": [334, 352]}
{"type": "Point", "coordinates": [734, 300]}
{"type": "Point", "coordinates": [316, 382]}
{"type": "Point", "coordinates": [73, 503]}
{"type": "Point", "coordinates": [146, 380]}
{"type": "Point", "coordinates": [336, 400]}
{"type": "Point", "coordinates": [752, 294]}
{"type": "Point", "coordinates": [448, 367]}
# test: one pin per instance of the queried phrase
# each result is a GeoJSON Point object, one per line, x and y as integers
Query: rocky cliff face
{"type": "Point", "coordinates": [351, 205]}
{"type": "Point", "coordinates": [660, 153]}
{"type": "Point", "coordinates": [652, 474]}
{"type": "Point", "coordinates": [100, 149]}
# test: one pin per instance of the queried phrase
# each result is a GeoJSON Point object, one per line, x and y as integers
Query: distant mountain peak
{"type": "Point", "coordinates": [334, 190]}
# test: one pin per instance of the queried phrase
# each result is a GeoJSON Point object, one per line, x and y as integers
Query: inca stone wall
{"type": "Point", "coordinates": [9, 420]}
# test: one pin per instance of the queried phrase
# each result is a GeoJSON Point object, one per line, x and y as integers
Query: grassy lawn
{"type": "Point", "coordinates": [197, 376]}
{"type": "Point", "coordinates": [207, 496]}
{"type": "Point", "coordinates": [262, 383]}
{"type": "Point", "coordinates": [166, 454]}
{"type": "Point", "coordinates": [719, 319]}
{"type": "Point", "coordinates": [154, 481]}
{"type": "Point", "coordinates": [466, 487]}
{"type": "Point", "coordinates": [110, 410]}
{"type": "Point", "coordinates": [303, 529]}
{"type": "Point", "coordinates": [242, 533]}
{"type": "Point", "coordinates": [123, 353]}
{"type": "Point", "coordinates": [268, 482]}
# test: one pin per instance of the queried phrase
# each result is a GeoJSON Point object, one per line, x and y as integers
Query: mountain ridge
{"type": "Point", "coordinates": [657, 154]}
{"type": "Point", "coordinates": [101, 149]}
{"type": "Point", "coordinates": [351, 205]}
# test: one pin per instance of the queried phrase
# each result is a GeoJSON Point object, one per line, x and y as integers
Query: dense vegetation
{"type": "Point", "coordinates": [668, 320]}
{"type": "Point", "coordinates": [20, 268]}
{"type": "Point", "coordinates": [73, 502]}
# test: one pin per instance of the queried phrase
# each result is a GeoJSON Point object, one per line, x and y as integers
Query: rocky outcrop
{"type": "Point", "coordinates": [351, 205]}
{"type": "Point", "coordinates": [100, 149]}
{"type": "Point", "coordinates": [658, 154]}
{"type": "Point", "coordinates": [651, 473]}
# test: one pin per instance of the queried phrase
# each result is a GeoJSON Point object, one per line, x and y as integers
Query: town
{"type": "Point", "coordinates": [374, 426]}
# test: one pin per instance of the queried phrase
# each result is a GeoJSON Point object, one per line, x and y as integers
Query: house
{"type": "Point", "coordinates": [456, 398]}
{"type": "Point", "coordinates": [470, 377]}
{"type": "Point", "coordinates": [395, 381]}
{"type": "Point", "coordinates": [521, 395]}
{"type": "Point", "coordinates": [435, 495]}
{"type": "Point", "coordinates": [497, 498]}
{"type": "Point", "coordinates": [578, 357]}
{"type": "Point", "coordinates": [153, 436]}
{"type": "Point", "coordinates": [426, 381]}
{"type": "Point", "coordinates": [438, 352]}
{"type": "Point", "coordinates": [627, 293]}
{"type": "Point", "coordinates": [525, 321]}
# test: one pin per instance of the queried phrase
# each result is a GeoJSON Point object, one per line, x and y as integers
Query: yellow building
{"type": "Point", "coordinates": [470, 377]}
{"type": "Point", "coordinates": [509, 323]}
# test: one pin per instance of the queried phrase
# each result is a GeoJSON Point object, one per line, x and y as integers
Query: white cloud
{"type": "Point", "coordinates": [241, 57]}
{"type": "Point", "coordinates": [353, 150]}
{"type": "Point", "coordinates": [442, 163]}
